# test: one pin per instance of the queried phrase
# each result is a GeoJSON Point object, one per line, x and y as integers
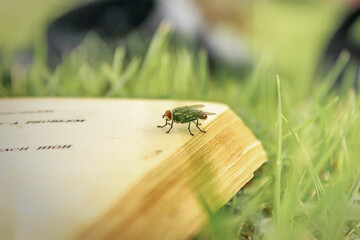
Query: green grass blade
{"type": "Point", "coordinates": [354, 188]}
{"type": "Point", "coordinates": [278, 163]}
{"type": "Point", "coordinates": [312, 118]}
{"type": "Point", "coordinates": [316, 180]}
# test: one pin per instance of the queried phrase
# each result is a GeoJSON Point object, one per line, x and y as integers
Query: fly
{"type": "Point", "coordinates": [186, 114]}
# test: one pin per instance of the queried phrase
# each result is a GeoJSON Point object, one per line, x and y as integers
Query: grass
{"type": "Point", "coordinates": [278, 168]}
{"type": "Point", "coordinates": [309, 189]}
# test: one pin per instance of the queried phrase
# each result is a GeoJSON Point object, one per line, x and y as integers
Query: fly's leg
{"type": "Point", "coordinates": [190, 130]}
{"type": "Point", "coordinates": [197, 125]}
{"type": "Point", "coordinates": [171, 126]}
{"type": "Point", "coordinates": [166, 123]}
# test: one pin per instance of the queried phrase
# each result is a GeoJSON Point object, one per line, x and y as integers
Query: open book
{"type": "Point", "coordinates": [96, 169]}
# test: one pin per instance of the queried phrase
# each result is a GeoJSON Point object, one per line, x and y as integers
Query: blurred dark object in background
{"type": "Point", "coordinates": [345, 39]}
{"type": "Point", "coordinates": [113, 20]}
{"type": "Point", "coordinates": [110, 19]}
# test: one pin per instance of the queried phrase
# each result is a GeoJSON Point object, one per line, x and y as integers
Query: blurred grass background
{"type": "Point", "coordinates": [21, 20]}
{"type": "Point", "coordinates": [309, 189]}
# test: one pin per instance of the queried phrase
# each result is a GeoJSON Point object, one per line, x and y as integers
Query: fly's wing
{"type": "Point", "coordinates": [209, 113]}
{"type": "Point", "coordinates": [191, 112]}
{"type": "Point", "coordinates": [197, 106]}
{"type": "Point", "coordinates": [188, 108]}
{"type": "Point", "coordinates": [199, 114]}
{"type": "Point", "coordinates": [199, 111]}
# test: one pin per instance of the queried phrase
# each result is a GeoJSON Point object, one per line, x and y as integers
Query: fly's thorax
{"type": "Point", "coordinates": [178, 117]}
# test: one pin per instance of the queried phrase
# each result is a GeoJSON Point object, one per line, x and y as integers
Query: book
{"type": "Point", "coordinates": [101, 169]}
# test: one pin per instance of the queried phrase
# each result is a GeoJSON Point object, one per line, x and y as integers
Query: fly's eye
{"type": "Point", "coordinates": [168, 114]}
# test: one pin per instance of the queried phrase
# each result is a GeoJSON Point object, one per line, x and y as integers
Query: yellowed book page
{"type": "Point", "coordinates": [64, 162]}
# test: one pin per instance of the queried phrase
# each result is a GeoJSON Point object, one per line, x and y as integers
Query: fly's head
{"type": "Point", "coordinates": [167, 115]}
